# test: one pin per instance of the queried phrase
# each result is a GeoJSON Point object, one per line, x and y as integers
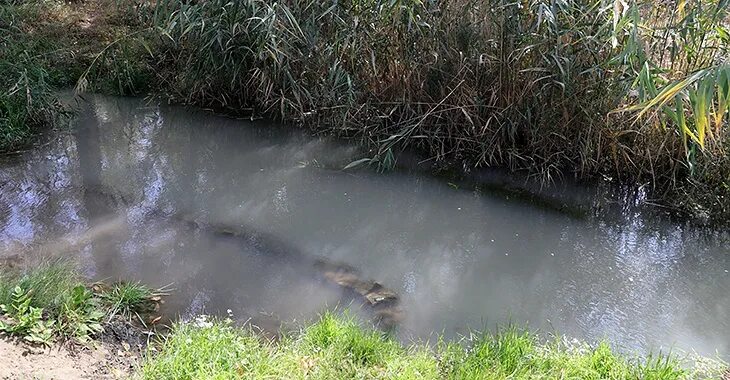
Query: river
{"type": "Point", "coordinates": [112, 191]}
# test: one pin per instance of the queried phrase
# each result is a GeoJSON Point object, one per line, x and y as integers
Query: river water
{"type": "Point", "coordinates": [113, 191]}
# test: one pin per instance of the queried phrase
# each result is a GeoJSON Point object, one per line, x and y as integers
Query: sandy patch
{"type": "Point", "coordinates": [104, 360]}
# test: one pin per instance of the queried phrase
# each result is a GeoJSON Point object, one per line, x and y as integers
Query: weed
{"type": "Point", "coordinates": [27, 99]}
{"type": "Point", "coordinates": [24, 319]}
{"type": "Point", "coordinates": [50, 282]}
{"type": "Point", "coordinates": [81, 316]}
{"type": "Point", "coordinates": [50, 299]}
{"type": "Point", "coordinates": [128, 299]}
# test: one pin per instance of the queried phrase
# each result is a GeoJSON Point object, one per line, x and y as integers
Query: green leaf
{"type": "Point", "coordinates": [357, 163]}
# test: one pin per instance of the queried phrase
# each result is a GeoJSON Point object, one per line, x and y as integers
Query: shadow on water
{"type": "Point", "coordinates": [247, 217]}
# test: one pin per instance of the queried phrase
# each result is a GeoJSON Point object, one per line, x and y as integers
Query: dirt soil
{"type": "Point", "coordinates": [116, 354]}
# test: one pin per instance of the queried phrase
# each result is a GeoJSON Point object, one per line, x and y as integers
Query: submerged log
{"type": "Point", "coordinates": [382, 302]}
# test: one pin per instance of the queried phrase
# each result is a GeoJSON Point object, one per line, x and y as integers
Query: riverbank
{"type": "Point", "coordinates": [104, 360]}
{"type": "Point", "coordinates": [54, 324]}
{"type": "Point", "coordinates": [540, 97]}
{"type": "Point", "coordinates": [337, 347]}
{"type": "Point", "coordinates": [82, 341]}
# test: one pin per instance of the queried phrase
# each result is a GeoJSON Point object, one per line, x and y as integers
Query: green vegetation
{"type": "Point", "coordinates": [129, 299]}
{"type": "Point", "coordinates": [50, 284]}
{"type": "Point", "coordinates": [337, 347]}
{"type": "Point", "coordinates": [27, 100]}
{"type": "Point", "coordinates": [528, 85]}
{"type": "Point", "coordinates": [50, 299]}
{"type": "Point", "coordinates": [25, 320]}
{"type": "Point", "coordinates": [636, 90]}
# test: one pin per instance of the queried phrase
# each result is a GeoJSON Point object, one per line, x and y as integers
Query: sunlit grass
{"type": "Point", "coordinates": [337, 347]}
{"type": "Point", "coordinates": [127, 299]}
{"type": "Point", "coordinates": [50, 283]}
{"type": "Point", "coordinates": [68, 303]}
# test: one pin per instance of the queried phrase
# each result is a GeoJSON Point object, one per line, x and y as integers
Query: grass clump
{"type": "Point", "coordinates": [50, 284]}
{"type": "Point", "coordinates": [127, 299]}
{"type": "Point", "coordinates": [50, 300]}
{"type": "Point", "coordinates": [337, 347]}
{"type": "Point", "coordinates": [46, 300]}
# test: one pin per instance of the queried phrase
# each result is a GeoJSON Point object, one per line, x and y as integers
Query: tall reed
{"type": "Point", "coordinates": [492, 82]}
{"type": "Point", "coordinates": [631, 89]}
{"type": "Point", "coordinates": [27, 99]}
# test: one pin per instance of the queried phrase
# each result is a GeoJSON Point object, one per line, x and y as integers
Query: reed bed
{"type": "Point", "coordinates": [27, 99]}
{"type": "Point", "coordinates": [636, 91]}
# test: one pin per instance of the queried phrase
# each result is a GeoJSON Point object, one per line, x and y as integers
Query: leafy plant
{"type": "Point", "coordinates": [25, 320]}
{"type": "Point", "coordinates": [683, 75]}
{"type": "Point", "coordinates": [50, 282]}
{"type": "Point", "coordinates": [81, 315]}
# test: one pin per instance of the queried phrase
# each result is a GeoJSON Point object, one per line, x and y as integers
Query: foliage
{"type": "Point", "coordinates": [679, 55]}
{"type": "Point", "coordinates": [24, 319]}
{"type": "Point", "coordinates": [50, 298]}
{"type": "Point", "coordinates": [528, 85]}
{"type": "Point", "coordinates": [50, 282]}
{"type": "Point", "coordinates": [27, 99]}
{"type": "Point", "coordinates": [336, 347]}
{"type": "Point", "coordinates": [81, 315]}
{"type": "Point", "coordinates": [128, 299]}
{"type": "Point", "coordinates": [495, 83]}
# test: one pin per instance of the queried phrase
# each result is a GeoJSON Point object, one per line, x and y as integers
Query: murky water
{"type": "Point", "coordinates": [114, 192]}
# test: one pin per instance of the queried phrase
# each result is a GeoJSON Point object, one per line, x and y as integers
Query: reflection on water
{"type": "Point", "coordinates": [459, 259]}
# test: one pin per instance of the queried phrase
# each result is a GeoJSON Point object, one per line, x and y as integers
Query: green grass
{"type": "Point", "coordinates": [68, 305]}
{"type": "Point", "coordinates": [337, 347]}
{"type": "Point", "coordinates": [50, 283]}
{"type": "Point", "coordinates": [128, 299]}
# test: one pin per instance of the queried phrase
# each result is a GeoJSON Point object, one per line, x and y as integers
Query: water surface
{"type": "Point", "coordinates": [460, 259]}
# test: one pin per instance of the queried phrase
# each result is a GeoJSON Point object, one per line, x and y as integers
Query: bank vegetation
{"type": "Point", "coordinates": [637, 91]}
